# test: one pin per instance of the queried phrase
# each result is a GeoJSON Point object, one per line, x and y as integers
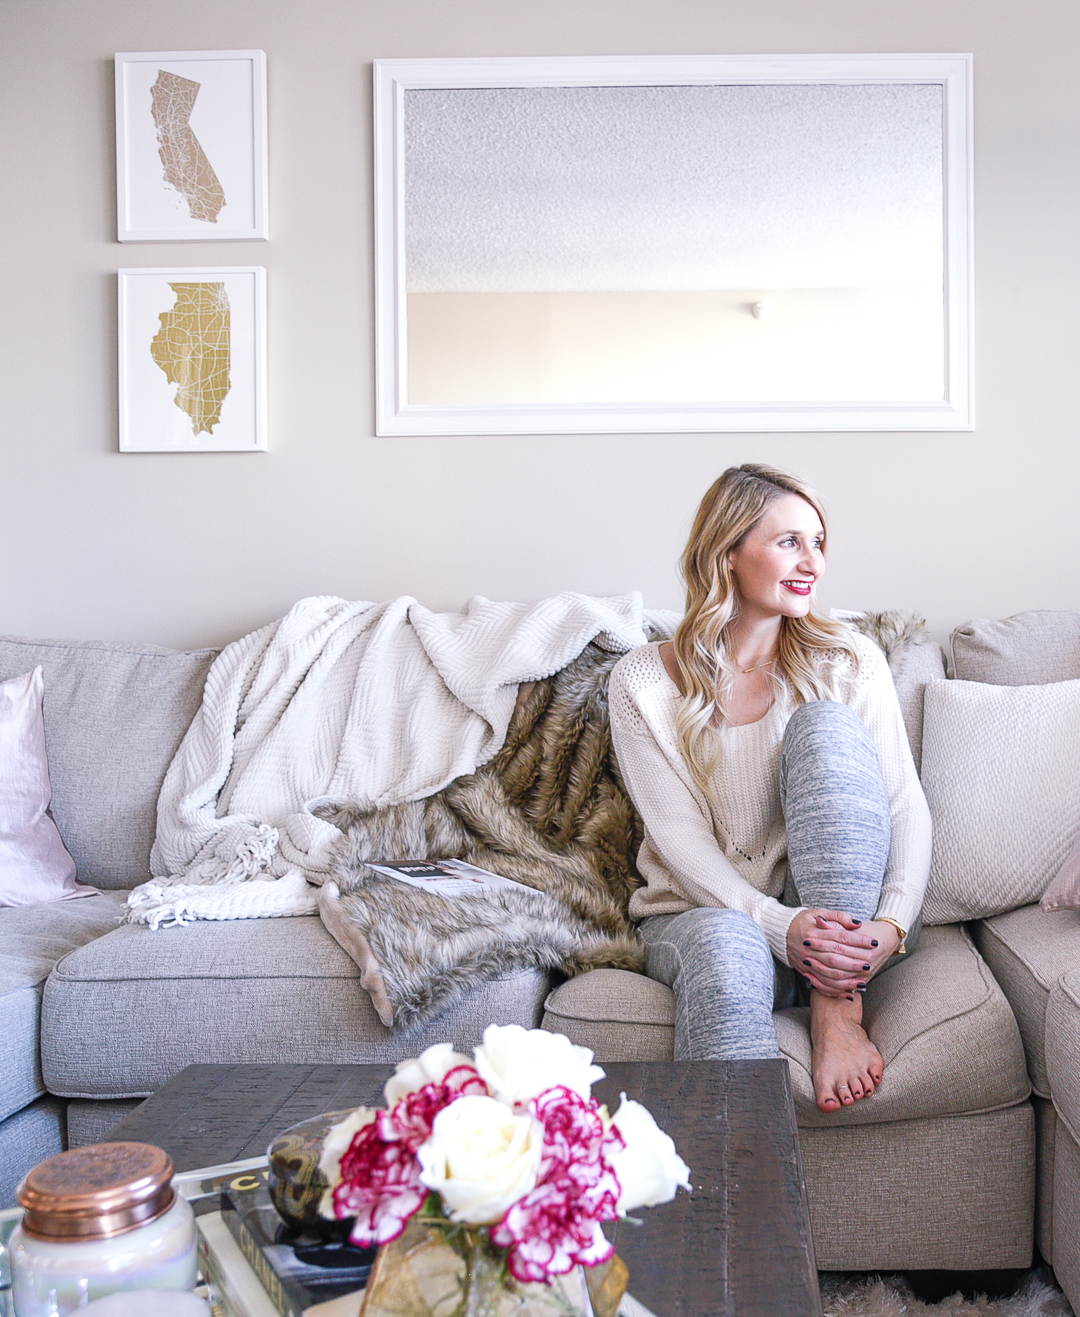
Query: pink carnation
{"type": "Point", "coordinates": [380, 1175]}
{"type": "Point", "coordinates": [380, 1186]}
{"type": "Point", "coordinates": [557, 1225]}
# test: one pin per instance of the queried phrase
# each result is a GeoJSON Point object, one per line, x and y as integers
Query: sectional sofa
{"type": "Point", "coordinates": [967, 1156]}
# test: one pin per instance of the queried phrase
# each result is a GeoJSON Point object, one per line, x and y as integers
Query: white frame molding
{"type": "Point", "coordinates": [392, 78]}
{"type": "Point", "coordinates": [190, 231]}
{"type": "Point", "coordinates": [146, 434]}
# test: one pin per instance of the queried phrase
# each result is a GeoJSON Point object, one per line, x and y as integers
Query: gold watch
{"type": "Point", "coordinates": [901, 950]}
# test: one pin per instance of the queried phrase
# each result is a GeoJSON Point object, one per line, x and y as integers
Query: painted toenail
{"type": "Point", "coordinates": [873, 941]}
{"type": "Point", "coordinates": [806, 962]}
{"type": "Point", "coordinates": [856, 921]}
{"type": "Point", "coordinates": [866, 967]}
{"type": "Point", "coordinates": [860, 985]}
{"type": "Point", "coordinates": [806, 944]}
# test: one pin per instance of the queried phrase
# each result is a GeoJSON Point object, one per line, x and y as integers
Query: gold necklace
{"type": "Point", "coordinates": [746, 671]}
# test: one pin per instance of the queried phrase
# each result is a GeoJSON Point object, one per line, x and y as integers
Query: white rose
{"type": "Point", "coordinates": [519, 1064]}
{"type": "Point", "coordinates": [648, 1169]}
{"type": "Point", "coordinates": [335, 1146]}
{"type": "Point", "coordinates": [430, 1067]}
{"type": "Point", "coordinates": [481, 1158]}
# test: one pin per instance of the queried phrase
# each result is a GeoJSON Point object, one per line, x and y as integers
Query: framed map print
{"type": "Point", "coordinates": [192, 372]}
{"type": "Point", "coordinates": [191, 145]}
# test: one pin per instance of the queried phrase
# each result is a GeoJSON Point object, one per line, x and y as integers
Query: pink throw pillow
{"type": "Point", "coordinates": [1064, 892]}
{"type": "Point", "coordinates": [34, 863]}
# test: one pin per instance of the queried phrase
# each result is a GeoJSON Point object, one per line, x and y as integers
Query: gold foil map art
{"type": "Point", "coordinates": [193, 349]}
{"type": "Point", "coordinates": [186, 167]}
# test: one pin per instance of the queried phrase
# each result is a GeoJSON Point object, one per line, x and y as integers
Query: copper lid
{"type": "Point", "coordinates": [97, 1191]}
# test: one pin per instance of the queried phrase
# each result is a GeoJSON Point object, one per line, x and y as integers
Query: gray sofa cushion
{"type": "Point", "coordinates": [1028, 649]}
{"type": "Point", "coordinates": [1028, 950]}
{"type": "Point", "coordinates": [126, 1013]}
{"type": "Point", "coordinates": [1066, 1217]}
{"type": "Point", "coordinates": [27, 1138]}
{"type": "Point", "coordinates": [1063, 1049]}
{"type": "Point", "coordinates": [91, 1120]}
{"type": "Point", "coordinates": [32, 940]}
{"type": "Point", "coordinates": [914, 670]}
{"type": "Point", "coordinates": [936, 1019]}
{"type": "Point", "coordinates": [620, 1015]}
{"type": "Point", "coordinates": [114, 715]}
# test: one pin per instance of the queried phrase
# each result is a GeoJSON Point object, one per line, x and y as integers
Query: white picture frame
{"type": "Point", "coordinates": [949, 407]}
{"type": "Point", "coordinates": [173, 399]}
{"type": "Point", "coordinates": [191, 146]}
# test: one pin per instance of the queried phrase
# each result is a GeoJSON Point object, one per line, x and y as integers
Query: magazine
{"type": "Point", "coordinates": [446, 877]}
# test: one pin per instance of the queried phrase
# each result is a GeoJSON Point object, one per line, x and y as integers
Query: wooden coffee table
{"type": "Point", "coordinates": [739, 1244]}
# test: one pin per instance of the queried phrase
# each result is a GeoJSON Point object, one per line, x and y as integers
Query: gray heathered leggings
{"type": "Point", "coordinates": [836, 812]}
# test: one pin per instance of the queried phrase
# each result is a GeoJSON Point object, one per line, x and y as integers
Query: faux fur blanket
{"type": "Point", "coordinates": [375, 704]}
{"type": "Point", "coordinates": [551, 811]}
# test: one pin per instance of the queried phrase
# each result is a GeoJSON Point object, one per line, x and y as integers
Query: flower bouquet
{"type": "Point", "coordinates": [485, 1179]}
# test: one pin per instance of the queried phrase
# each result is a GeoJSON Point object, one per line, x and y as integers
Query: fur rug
{"type": "Point", "coordinates": [845, 1294]}
{"type": "Point", "coordinates": [551, 811]}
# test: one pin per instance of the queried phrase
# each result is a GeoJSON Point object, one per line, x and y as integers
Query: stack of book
{"type": "Point", "coordinates": [253, 1265]}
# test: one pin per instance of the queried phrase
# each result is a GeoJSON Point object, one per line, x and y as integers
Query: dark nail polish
{"type": "Point", "coordinates": [860, 985]}
{"type": "Point", "coordinates": [806, 944]}
{"type": "Point", "coordinates": [866, 967]}
{"type": "Point", "coordinates": [851, 999]}
{"type": "Point", "coordinates": [806, 962]}
{"type": "Point", "coordinates": [856, 921]}
{"type": "Point", "coordinates": [873, 941]}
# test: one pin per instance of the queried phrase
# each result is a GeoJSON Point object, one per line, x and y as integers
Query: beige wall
{"type": "Point", "coordinates": [185, 549]}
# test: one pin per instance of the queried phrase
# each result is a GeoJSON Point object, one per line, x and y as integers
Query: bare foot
{"type": "Point", "coordinates": [847, 1066]}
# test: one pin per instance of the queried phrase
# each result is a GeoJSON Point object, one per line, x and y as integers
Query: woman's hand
{"type": "Point", "coordinates": [838, 954]}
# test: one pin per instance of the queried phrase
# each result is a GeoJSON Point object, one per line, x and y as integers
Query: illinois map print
{"type": "Point", "coordinates": [193, 349]}
{"type": "Point", "coordinates": [186, 166]}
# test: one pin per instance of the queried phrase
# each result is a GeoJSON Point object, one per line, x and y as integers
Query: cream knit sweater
{"type": "Point", "coordinates": [729, 847]}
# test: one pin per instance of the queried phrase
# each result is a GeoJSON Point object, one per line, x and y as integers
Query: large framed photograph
{"type": "Point", "coordinates": [192, 371]}
{"type": "Point", "coordinates": [642, 243]}
{"type": "Point", "coordinates": [191, 145]}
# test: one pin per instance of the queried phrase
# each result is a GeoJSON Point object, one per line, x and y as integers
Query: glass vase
{"type": "Point", "coordinates": [437, 1269]}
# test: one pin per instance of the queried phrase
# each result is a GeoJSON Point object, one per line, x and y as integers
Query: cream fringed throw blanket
{"type": "Point", "coordinates": [338, 704]}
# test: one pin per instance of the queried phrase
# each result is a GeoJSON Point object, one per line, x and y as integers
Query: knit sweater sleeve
{"type": "Point", "coordinates": [678, 822]}
{"type": "Point", "coordinates": [872, 695]}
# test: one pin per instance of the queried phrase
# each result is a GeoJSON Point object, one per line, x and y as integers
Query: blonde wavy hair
{"type": "Point", "coordinates": [704, 641]}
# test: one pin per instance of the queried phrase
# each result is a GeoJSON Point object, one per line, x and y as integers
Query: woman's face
{"type": "Point", "coordinates": [779, 561]}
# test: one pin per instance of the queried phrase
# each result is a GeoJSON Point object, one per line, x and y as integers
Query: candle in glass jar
{"type": "Point", "coordinates": [97, 1220]}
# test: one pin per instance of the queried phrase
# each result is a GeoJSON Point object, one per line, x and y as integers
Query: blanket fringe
{"type": "Point", "coordinates": [162, 906]}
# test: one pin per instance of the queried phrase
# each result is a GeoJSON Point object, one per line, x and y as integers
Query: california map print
{"type": "Point", "coordinates": [191, 154]}
{"type": "Point", "coordinates": [185, 164]}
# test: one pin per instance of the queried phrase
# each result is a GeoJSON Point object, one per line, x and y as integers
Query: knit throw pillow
{"type": "Point", "coordinates": [34, 863]}
{"type": "Point", "coordinates": [1001, 772]}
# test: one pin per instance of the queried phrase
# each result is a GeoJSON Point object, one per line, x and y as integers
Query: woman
{"type": "Point", "coordinates": [785, 827]}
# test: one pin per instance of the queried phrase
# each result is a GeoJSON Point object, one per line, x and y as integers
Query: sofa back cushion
{"type": "Point", "coordinates": [1000, 775]}
{"type": "Point", "coordinates": [114, 715]}
{"type": "Point", "coordinates": [1029, 649]}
